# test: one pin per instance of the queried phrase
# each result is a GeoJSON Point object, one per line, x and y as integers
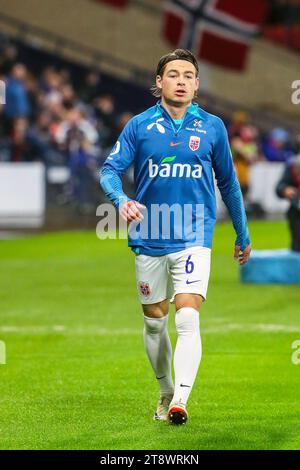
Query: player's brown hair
{"type": "Point", "coordinates": [178, 54]}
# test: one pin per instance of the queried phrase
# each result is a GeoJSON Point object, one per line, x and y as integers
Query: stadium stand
{"type": "Point", "coordinates": [68, 116]}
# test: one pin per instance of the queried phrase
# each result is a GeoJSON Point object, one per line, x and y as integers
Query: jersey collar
{"type": "Point", "coordinates": [192, 110]}
{"type": "Point", "coordinates": [160, 110]}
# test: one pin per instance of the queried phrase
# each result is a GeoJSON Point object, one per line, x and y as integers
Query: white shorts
{"type": "Point", "coordinates": [162, 277]}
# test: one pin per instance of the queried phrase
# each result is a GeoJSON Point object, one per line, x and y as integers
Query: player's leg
{"type": "Point", "coordinates": [190, 272]}
{"type": "Point", "coordinates": [187, 355]}
{"type": "Point", "coordinates": [294, 223]}
{"type": "Point", "coordinates": [159, 351]}
{"type": "Point", "coordinates": [152, 279]}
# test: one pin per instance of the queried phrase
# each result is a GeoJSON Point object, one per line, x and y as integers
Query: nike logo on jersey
{"type": "Point", "coordinates": [159, 378]}
{"type": "Point", "coordinates": [173, 144]}
{"type": "Point", "coordinates": [181, 385]}
{"type": "Point", "coordinates": [192, 282]}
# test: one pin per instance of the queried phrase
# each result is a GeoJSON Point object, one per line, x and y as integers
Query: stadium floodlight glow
{"type": "Point", "coordinates": [2, 92]}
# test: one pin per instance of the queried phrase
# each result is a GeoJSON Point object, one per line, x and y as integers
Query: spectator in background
{"type": "Point", "coordinates": [51, 86]}
{"type": "Point", "coordinates": [22, 147]}
{"type": "Point", "coordinates": [68, 96]}
{"type": "Point", "coordinates": [41, 140]}
{"type": "Point", "coordinates": [70, 132]}
{"type": "Point", "coordinates": [106, 116]}
{"type": "Point", "coordinates": [77, 137]}
{"type": "Point", "coordinates": [49, 119]}
{"type": "Point", "coordinates": [121, 122]}
{"type": "Point", "coordinates": [123, 119]}
{"type": "Point", "coordinates": [91, 87]}
{"type": "Point", "coordinates": [8, 58]}
{"type": "Point", "coordinates": [128, 179]}
{"type": "Point", "coordinates": [65, 75]}
{"type": "Point", "coordinates": [296, 144]}
{"type": "Point", "coordinates": [83, 164]}
{"type": "Point", "coordinates": [33, 94]}
{"type": "Point", "coordinates": [277, 147]}
{"type": "Point", "coordinates": [289, 188]}
{"type": "Point", "coordinates": [17, 101]}
{"type": "Point", "coordinates": [58, 115]}
{"type": "Point", "coordinates": [239, 119]}
{"type": "Point", "coordinates": [245, 152]}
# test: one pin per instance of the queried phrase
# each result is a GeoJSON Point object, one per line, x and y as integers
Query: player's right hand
{"type": "Point", "coordinates": [290, 192]}
{"type": "Point", "coordinates": [131, 210]}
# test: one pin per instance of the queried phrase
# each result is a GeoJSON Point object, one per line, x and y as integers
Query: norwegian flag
{"type": "Point", "coordinates": [115, 3]}
{"type": "Point", "coordinates": [218, 31]}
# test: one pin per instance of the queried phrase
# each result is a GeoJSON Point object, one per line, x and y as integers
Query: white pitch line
{"type": "Point", "coordinates": [36, 330]}
{"type": "Point", "coordinates": [95, 330]}
{"type": "Point", "coordinates": [253, 327]}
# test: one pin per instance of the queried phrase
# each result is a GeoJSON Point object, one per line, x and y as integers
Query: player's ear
{"type": "Point", "coordinates": [158, 81]}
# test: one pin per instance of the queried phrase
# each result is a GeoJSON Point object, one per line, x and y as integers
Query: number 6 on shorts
{"type": "Point", "coordinates": [189, 265]}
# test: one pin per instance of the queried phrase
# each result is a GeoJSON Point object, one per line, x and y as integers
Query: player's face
{"type": "Point", "coordinates": [178, 83]}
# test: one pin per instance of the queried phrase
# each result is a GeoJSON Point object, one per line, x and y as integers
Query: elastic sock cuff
{"type": "Point", "coordinates": [156, 318]}
{"type": "Point", "coordinates": [189, 308]}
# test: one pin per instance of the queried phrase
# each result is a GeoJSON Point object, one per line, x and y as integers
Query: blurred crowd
{"type": "Point", "coordinates": [249, 145]}
{"type": "Point", "coordinates": [47, 118]}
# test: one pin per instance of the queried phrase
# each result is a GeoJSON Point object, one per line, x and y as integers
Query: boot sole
{"type": "Point", "coordinates": [177, 416]}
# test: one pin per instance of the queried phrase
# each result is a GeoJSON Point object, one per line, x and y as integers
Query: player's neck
{"type": "Point", "coordinates": [176, 112]}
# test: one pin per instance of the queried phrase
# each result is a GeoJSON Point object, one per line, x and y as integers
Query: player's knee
{"type": "Point", "coordinates": [158, 310]}
{"type": "Point", "coordinates": [188, 300]}
{"type": "Point", "coordinates": [154, 326]}
{"type": "Point", "coordinates": [187, 320]}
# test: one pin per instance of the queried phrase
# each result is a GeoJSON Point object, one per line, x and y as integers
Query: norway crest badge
{"type": "Point", "coordinates": [144, 288]}
{"type": "Point", "coordinates": [194, 142]}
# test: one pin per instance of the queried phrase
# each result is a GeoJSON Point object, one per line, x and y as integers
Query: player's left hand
{"type": "Point", "coordinates": [242, 256]}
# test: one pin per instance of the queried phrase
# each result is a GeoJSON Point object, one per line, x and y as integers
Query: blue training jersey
{"type": "Point", "coordinates": [174, 166]}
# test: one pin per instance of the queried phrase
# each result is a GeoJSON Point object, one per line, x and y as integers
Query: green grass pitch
{"type": "Point", "coordinates": [77, 376]}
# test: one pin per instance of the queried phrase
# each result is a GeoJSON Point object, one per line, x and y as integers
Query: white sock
{"type": "Point", "coordinates": [159, 350]}
{"type": "Point", "coordinates": [187, 354]}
